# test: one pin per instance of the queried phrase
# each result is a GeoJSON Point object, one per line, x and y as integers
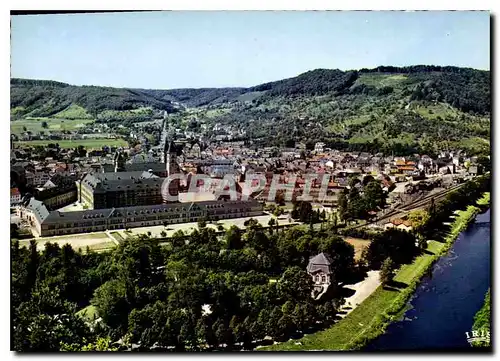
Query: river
{"type": "Point", "coordinates": [445, 303]}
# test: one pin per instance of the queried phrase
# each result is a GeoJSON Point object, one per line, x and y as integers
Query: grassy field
{"type": "Point", "coordinates": [54, 124]}
{"type": "Point", "coordinates": [73, 112]}
{"type": "Point", "coordinates": [87, 143]}
{"type": "Point", "coordinates": [370, 319]}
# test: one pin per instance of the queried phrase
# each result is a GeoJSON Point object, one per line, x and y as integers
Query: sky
{"type": "Point", "coordinates": [172, 49]}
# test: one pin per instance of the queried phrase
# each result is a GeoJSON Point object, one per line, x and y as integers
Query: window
{"type": "Point", "coordinates": [323, 278]}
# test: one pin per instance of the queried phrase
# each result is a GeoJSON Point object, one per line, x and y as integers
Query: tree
{"type": "Point", "coordinates": [233, 238]}
{"type": "Point", "coordinates": [295, 284]}
{"type": "Point", "coordinates": [257, 239]}
{"type": "Point", "coordinates": [278, 211]}
{"type": "Point", "coordinates": [178, 238]}
{"type": "Point", "coordinates": [356, 207]}
{"type": "Point", "coordinates": [343, 207]}
{"type": "Point", "coordinates": [163, 234]}
{"type": "Point", "coordinates": [303, 211]}
{"type": "Point", "coordinates": [273, 326]}
{"type": "Point", "coordinates": [374, 196]}
{"type": "Point", "coordinates": [110, 301]}
{"type": "Point", "coordinates": [394, 243]}
{"type": "Point", "coordinates": [14, 228]}
{"type": "Point", "coordinates": [387, 271]}
{"type": "Point", "coordinates": [484, 162]}
{"type": "Point", "coordinates": [342, 255]}
{"type": "Point", "coordinates": [419, 220]}
{"type": "Point", "coordinates": [101, 344]}
{"type": "Point", "coordinates": [367, 179]}
{"type": "Point", "coordinates": [271, 223]}
{"type": "Point", "coordinates": [251, 223]}
{"type": "Point", "coordinates": [202, 223]}
{"type": "Point", "coordinates": [45, 125]}
{"type": "Point", "coordinates": [46, 320]}
{"type": "Point", "coordinates": [224, 334]}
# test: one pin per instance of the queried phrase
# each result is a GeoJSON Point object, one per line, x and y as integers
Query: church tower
{"type": "Point", "coordinates": [119, 161]}
{"type": "Point", "coordinates": [171, 167]}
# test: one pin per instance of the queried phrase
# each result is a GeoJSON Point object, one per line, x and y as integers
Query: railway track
{"type": "Point", "coordinates": [426, 200]}
{"type": "Point", "coordinates": [418, 204]}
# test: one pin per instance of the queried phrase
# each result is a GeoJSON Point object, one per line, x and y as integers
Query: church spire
{"type": "Point", "coordinates": [119, 161]}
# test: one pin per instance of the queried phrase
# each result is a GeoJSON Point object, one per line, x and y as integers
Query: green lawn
{"type": "Point", "coordinates": [408, 272]}
{"type": "Point", "coordinates": [87, 143]}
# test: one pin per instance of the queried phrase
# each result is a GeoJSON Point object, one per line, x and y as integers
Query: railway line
{"type": "Point", "coordinates": [417, 204]}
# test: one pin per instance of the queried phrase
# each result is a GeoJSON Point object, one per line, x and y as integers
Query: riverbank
{"type": "Point", "coordinates": [370, 319]}
{"type": "Point", "coordinates": [485, 199]}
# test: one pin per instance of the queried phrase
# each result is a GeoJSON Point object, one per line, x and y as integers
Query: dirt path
{"type": "Point", "coordinates": [363, 289]}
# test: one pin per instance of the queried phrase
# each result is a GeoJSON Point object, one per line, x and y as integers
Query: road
{"type": "Point", "coordinates": [362, 290]}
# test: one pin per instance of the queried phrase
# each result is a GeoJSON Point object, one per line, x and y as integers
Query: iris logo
{"type": "Point", "coordinates": [478, 336]}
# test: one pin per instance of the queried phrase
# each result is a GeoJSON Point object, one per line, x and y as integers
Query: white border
{"type": "Point", "coordinates": [196, 5]}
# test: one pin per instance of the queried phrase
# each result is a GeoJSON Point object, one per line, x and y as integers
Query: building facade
{"type": "Point", "coordinates": [15, 196]}
{"type": "Point", "coordinates": [120, 189]}
{"type": "Point", "coordinates": [45, 223]}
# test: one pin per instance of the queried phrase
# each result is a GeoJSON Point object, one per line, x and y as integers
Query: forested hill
{"type": "Point", "coordinates": [463, 88]}
{"type": "Point", "coordinates": [44, 98]}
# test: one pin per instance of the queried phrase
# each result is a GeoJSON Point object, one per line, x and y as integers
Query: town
{"type": "Point", "coordinates": [70, 191]}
